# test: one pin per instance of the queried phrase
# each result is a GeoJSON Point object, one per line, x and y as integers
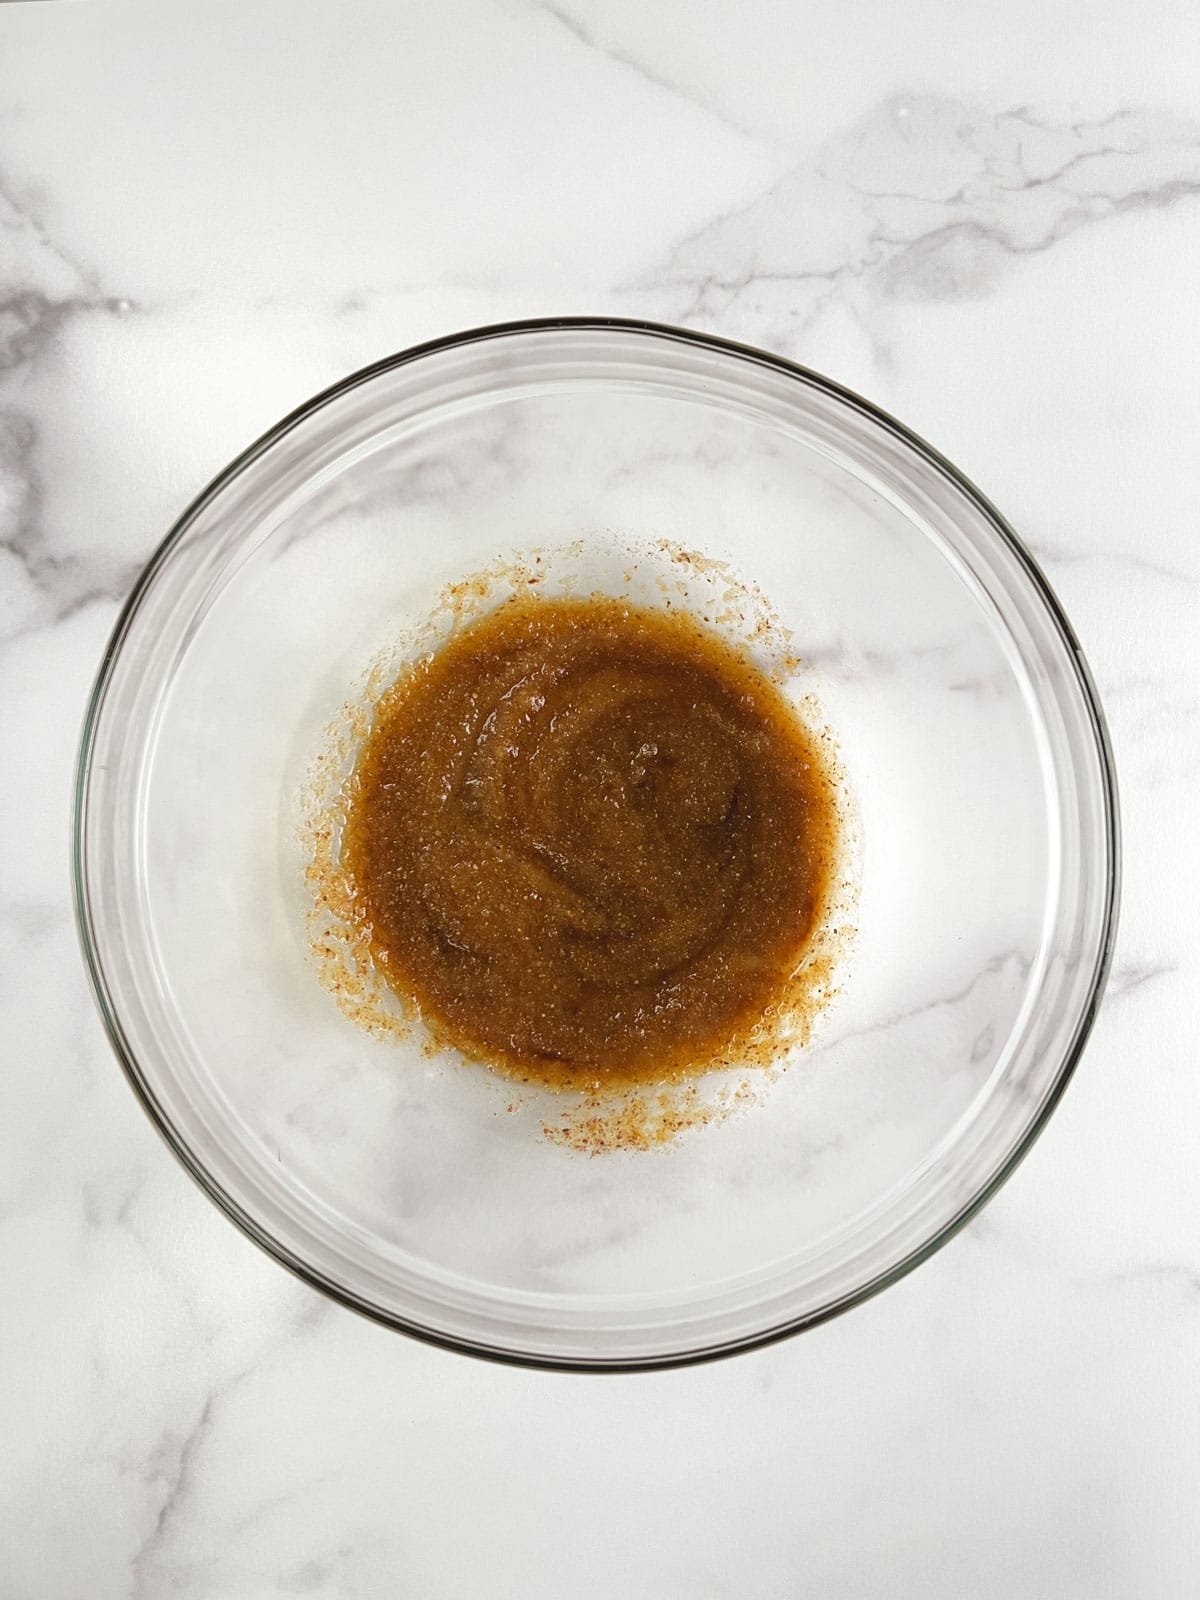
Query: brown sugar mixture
{"type": "Point", "coordinates": [592, 842]}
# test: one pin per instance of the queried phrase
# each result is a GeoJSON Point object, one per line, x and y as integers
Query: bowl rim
{"type": "Point", "coordinates": [140, 1082]}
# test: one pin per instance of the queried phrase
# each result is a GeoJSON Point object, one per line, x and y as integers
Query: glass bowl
{"type": "Point", "coordinates": [975, 750]}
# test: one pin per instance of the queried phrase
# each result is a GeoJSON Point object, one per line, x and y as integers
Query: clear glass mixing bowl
{"type": "Point", "coordinates": [967, 722]}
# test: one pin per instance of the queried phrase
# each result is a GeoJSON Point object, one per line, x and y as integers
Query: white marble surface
{"type": "Point", "coordinates": [986, 219]}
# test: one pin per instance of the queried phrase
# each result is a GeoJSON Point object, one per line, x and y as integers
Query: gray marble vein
{"type": "Point", "coordinates": [928, 199]}
{"type": "Point", "coordinates": [588, 36]}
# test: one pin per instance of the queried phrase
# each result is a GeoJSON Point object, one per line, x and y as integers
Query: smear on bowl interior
{"type": "Point", "coordinates": [593, 845]}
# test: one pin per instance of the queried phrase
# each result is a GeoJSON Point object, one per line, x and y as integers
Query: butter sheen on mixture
{"type": "Point", "coordinates": [591, 842]}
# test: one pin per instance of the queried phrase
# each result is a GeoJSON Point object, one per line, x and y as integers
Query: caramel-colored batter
{"type": "Point", "coordinates": [591, 842]}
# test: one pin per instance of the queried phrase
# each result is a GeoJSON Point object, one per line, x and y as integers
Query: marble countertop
{"type": "Point", "coordinates": [987, 219]}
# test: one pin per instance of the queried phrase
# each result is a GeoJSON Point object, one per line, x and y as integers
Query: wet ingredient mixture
{"type": "Point", "coordinates": [591, 842]}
